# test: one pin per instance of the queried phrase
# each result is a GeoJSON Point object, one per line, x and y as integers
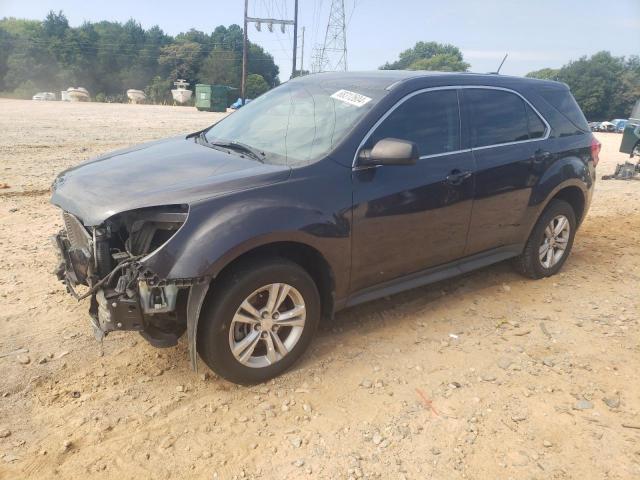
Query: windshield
{"type": "Point", "coordinates": [299, 122]}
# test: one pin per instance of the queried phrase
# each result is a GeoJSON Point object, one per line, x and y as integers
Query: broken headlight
{"type": "Point", "coordinates": [145, 230]}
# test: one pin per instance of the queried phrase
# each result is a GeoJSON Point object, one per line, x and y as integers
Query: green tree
{"type": "Point", "coordinates": [604, 86]}
{"type": "Point", "coordinates": [597, 83]}
{"type": "Point", "coordinates": [180, 60]}
{"type": "Point", "coordinates": [159, 90]}
{"type": "Point", "coordinates": [429, 56]}
{"type": "Point", "coordinates": [222, 67]}
{"type": "Point", "coordinates": [628, 91]}
{"type": "Point", "coordinates": [262, 63]}
{"type": "Point", "coordinates": [111, 57]}
{"type": "Point", "coordinates": [256, 85]}
{"type": "Point", "coordinates": [441, 62]}
{"type": "Point", "coordinates": [55, 25]}
{"type": "Point", "coordinates": [544, 74]}
{"type": "Point", "coordinates": [5, 39]}
{"type": "Point", "coordinates": [223, 64]}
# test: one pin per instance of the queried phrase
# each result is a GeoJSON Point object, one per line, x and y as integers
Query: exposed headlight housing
{"type": "Point", "coordinates": [143, 231]}
{"type": "Point", "coordinates": [150, 228]}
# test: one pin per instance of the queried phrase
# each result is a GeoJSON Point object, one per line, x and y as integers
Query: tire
{"type": "Point", "coordinates": [529, 263]}
{"type": "Point", "coordinates": [221, 328]}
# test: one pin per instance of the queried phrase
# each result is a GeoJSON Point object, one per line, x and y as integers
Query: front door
{"type": "Point", "coordinates": [411, 217]}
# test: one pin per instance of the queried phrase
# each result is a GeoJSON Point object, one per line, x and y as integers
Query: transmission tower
{"type": "Point", "coordinates": [333, 54]}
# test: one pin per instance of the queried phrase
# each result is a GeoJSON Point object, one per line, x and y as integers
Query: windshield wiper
{"type": "Point", "coordinates": [240, 147]}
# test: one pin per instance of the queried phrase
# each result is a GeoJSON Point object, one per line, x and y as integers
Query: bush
{"type": "Point", "coordinates": [256, 85]}
{"type": "Point", "coordinates": [159, 91]}
{"type": "Point", "coordinates": [26, 90]}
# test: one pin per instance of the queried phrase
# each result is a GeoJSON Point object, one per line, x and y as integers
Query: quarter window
{"type": "Point", "coordinates": [496, 117]}
{"type": "Point", "coordinates": [429, 119]}
{"type": "Point", "coordinates": [536, 127]}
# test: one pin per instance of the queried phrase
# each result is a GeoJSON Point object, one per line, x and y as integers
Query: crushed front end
{"type": "Point", "coordinates": [108, 260]}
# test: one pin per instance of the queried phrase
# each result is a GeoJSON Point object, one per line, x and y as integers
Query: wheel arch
{"type": "Point", "coordinates": [575, 197]}
{"type": "Point", "coordinates": [303, 254]}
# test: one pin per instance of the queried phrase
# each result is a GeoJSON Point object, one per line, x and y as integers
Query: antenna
{"type": "Point", "coordinates": [333, 54]}
{"type": "Point", "coordinates": [502, 63]}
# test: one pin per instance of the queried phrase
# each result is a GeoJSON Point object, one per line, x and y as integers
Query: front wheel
{"type": "Point", "coordinates": [259, 321]}
{"type": "Point", "coordinates": [550, 242]}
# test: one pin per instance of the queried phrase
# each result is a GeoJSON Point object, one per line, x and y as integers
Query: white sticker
{"type": "Point", "coordinates": [352, 98]}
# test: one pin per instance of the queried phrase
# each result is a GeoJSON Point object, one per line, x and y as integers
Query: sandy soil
{"type": "Point", "coordinates": [486, 376]}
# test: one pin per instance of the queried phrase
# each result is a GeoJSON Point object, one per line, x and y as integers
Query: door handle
{"type": "Point", "coordinates": [456, 177]}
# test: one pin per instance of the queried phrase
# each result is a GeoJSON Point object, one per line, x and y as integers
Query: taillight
{"type": "Point", "coordinates": [595, 151]}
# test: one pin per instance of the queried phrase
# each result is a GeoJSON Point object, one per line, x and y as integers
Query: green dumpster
{"type": "Point", "coordinates": [212, 98]}
{"type": "Point", "coordinates": [219, 98]}
{"type": "Point", "coordinates": [203, 97]}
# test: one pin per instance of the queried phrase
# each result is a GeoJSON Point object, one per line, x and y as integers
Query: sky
{"type": "Point", "coordinates": [535, 33]}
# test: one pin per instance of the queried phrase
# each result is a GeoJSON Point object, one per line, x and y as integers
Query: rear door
{"type": "Point", "coordinates": [505, 134]}
{"type": "Point", "coordinates": [411, 217]}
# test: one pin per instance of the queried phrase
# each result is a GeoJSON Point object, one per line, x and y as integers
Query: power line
{"type": "Point", "coordinates": [270, 22]}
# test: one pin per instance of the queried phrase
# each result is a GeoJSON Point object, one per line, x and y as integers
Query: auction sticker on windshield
{"type": "Point", "coordinates": [352, 98]}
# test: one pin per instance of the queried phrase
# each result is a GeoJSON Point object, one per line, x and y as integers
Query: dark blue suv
{"type": "Point", "coordinates": [328, 191]}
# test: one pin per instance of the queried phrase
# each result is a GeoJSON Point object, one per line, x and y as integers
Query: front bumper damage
{"type": "Point", "coordinates": [124, 294]}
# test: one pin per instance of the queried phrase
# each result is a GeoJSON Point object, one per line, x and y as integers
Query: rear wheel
{"type": "Point", "coordinates": [259, 321]}
{"type": "Point", "coordinates": [550, 242]}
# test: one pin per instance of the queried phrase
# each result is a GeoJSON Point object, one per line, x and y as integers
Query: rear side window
{"type": "Point", "coordinates": [430, 119]}
{"type": "Point", "coordinates": [562, 100]}
{"type": "Point", "coordinates": [496, 117]}
{"type": "Point", "coordinates": [536, 126]}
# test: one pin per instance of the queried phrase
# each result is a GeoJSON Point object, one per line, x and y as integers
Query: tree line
{"type": "Point", "coordinates": [604, 86]}
{"type": "Point", "coordinates": [109, 58]}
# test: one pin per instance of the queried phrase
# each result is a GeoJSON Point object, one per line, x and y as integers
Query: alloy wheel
{"type": "Point", "coordinates": [555, 241]}
{"type": "Point", "coordinates": [267, 325]}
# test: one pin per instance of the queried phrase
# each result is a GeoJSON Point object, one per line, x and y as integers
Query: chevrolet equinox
{"type": "Point", "coordinates": [328, 191]}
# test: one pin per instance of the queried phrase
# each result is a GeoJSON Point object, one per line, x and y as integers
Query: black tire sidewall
{"type": "Point", "coordinates": [219, 309]}
{"type": "Point", "coordinates": [557, 207]}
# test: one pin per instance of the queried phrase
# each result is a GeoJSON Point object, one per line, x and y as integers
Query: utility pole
{"type": "Point", "coordinates": [302, 54]}
{"type": "Point", "coordinates": [295, 37]}
{"type": "Point", "coordinates": [243, 82]}
{"type": "Point", "coordinates": [270, 23]}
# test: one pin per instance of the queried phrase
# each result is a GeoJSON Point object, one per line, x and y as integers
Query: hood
{"type": "Point", "coordinates": [171, 171]}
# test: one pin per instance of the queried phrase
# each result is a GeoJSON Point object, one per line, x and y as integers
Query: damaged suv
{"type": "Point", "coordinates": [328, 191]}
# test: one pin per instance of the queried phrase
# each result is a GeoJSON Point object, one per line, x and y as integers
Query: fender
{"type": "Point", "coordinates": [221, 228]}
{"type": "Point", "coordinates": [570, 171]}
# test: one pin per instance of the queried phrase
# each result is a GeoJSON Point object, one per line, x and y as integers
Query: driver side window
{"type": "Point", "coordinates": [431, 120]}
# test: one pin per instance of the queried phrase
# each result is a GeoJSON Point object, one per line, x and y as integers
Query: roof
{"type": "Point", "coordinates": [384, 79]}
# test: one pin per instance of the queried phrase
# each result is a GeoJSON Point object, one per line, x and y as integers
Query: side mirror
{"type": "Point", "coordinates": [390, 151]}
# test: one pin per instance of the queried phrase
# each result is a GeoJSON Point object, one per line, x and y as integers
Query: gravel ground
{"type": "Point", "coordinates": [489, 375]}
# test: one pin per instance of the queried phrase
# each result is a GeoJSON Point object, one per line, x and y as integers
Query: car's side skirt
{"type": "Point", "coordinates": [432, 275]}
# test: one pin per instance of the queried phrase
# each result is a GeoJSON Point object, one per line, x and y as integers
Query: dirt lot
{"type": "Point", "coordinates": [485, 376]}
